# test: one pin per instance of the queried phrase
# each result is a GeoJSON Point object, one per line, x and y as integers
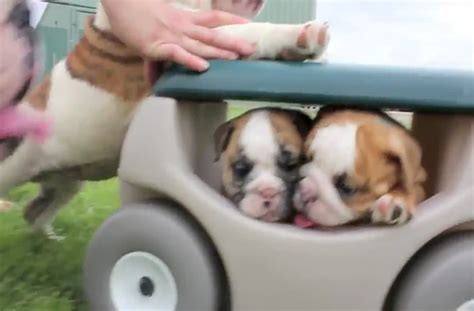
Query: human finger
{"type": "Point", "coordinates": [175, 53]}
{"type": "Point", "coordinates": [216, 18]}
{"type": "Point", "coordinates": [219, 40]}
{"type": "Point", "coordinates": [207, 51]}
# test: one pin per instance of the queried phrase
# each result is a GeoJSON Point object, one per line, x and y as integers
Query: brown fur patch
{"type": "Point", "coordinates": [231, 152]}
{"type": "Point", "coordinates": [340, 117]}
{"type": "Point", "coordinates": [374, 173]}
{"type": "Point", "coordinates": [283, 127]}
{"type": "Point", "coordinates": [388, 159]}
{"type": "Point", "coordinates": [285, 130]}
{"type": "Point", "coordinates": [38, 96]}
{"type": "Point", "coordinates": [105, 62]}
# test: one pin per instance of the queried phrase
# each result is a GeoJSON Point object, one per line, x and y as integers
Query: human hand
{"type": "Point", "coordinates": [160, 31]}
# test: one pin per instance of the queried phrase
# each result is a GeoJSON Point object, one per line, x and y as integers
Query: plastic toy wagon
{"type": "Point", "coordinates": [177, 244]}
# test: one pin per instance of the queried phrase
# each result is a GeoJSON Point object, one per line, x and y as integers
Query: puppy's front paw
{"type": "Point", "coordinates": [390, 210]}
{"type": "Point", "coordinates": [311, 43]}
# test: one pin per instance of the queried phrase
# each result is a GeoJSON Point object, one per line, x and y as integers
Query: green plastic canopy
{"type": "Point", "coordinates": [323, 84]}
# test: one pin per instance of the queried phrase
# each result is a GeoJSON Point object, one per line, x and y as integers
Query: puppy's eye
{"type": "Point", "coordinates": [289, 166]}
{"type": "Point", "coordinates": [287, 162]}
{"type": "Point", "coordinates": [304, 158]}
{"type": "Point", "coordinates": [343, 187]}
{"type": "Point", "coordinates": [242, 168]}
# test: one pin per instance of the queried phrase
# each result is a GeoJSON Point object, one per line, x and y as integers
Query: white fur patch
{"type": "Point", "coordinates": [89, 123]}
{"type": "Point", "coordinates": [260, 145]}
{"type": "Point", "coordinates": [259, 141]}
{"type": "Point", "coordinates": [334, 149]}
{"type": "Point", "coordinates": [328, 209]}
{"type": "Point", "coordinates": [101, 20]}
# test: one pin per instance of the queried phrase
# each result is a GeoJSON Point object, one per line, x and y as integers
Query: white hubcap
{"type": "Point", "coordinates": [141, 281]}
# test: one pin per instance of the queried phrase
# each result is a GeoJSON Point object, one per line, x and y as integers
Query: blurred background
{"type": "Point", "coordinates": [414, 33]}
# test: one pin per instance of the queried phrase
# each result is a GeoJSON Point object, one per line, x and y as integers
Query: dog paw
{"type": "Point", "coordinates": [314, 36]}
{"type": "Point", "coordinates": [313, 40]}
{"type": "Point", "coordinates": [50, 233]}
{"type": "Point", "coordinates": [390, 210]}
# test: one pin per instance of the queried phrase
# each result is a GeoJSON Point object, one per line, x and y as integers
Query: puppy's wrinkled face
{"type": "Point", "coordinates": [361, 165]}
{"type": "Point", "coordinates": [261, 153]}
{"type": "Point", "coordinates": [17, 50]}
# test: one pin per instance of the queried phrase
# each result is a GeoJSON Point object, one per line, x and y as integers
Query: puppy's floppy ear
{"type": "Point", "coordinates": [222, 137]}
{"type": "Point", "coordinates": [406, 152]}
{"type": "Point", "coordinates": [244, 8]}
{"type": "Point", "coordinates": [302, 122]}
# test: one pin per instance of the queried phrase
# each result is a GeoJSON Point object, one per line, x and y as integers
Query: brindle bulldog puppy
{"type": "Point", "coordinates": [261, 153]}
{"type": "Point", "coordinates": [362, 164]}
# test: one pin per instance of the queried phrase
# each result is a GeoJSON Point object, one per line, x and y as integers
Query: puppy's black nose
{"type": "Point", "coordinates": [20, 15]}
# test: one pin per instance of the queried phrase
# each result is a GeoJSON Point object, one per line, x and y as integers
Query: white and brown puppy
{"type": "Point", "coordinates": [261, 153]}
{"type": "Point", "coordinates": [92, 96]}
{"type": "Point", "coordinates": [362, 164]}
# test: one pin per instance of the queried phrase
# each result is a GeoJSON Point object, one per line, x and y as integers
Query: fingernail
{"type": "Point", "coordinates": [244, 20]}
{"type": "Point", "coordinates": [232, 56]}
{"type": "Point", "coordinates": [203, 66]}
{"type": "Point", "coordinates": [248, 49]}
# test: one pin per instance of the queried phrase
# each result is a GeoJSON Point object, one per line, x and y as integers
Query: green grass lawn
{"type": "Point", "coordinates": [40, 274]}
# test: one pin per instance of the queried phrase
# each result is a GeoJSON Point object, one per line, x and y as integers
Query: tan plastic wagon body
{"type": "Point", "coordinates": [168, 155]}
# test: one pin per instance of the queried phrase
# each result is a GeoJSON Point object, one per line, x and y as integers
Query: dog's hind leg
{"type": "Point", "coordinates": [24, 164]}
{"type": "Point", "coordinates": [56, 192]}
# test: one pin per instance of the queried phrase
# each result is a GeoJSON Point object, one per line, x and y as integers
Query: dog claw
{"type": "Point", "coordinates": [310, 44]}
{"type": "Point", "coordinates": [50, 233]}
{"type": "Point", "coordinates": [315, 37]}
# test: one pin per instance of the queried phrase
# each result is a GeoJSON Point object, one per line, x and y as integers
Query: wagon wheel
{"type": "Point", "coordinates": [440, 278]}
{"type": "Point", "coordinates": [153, 256]}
